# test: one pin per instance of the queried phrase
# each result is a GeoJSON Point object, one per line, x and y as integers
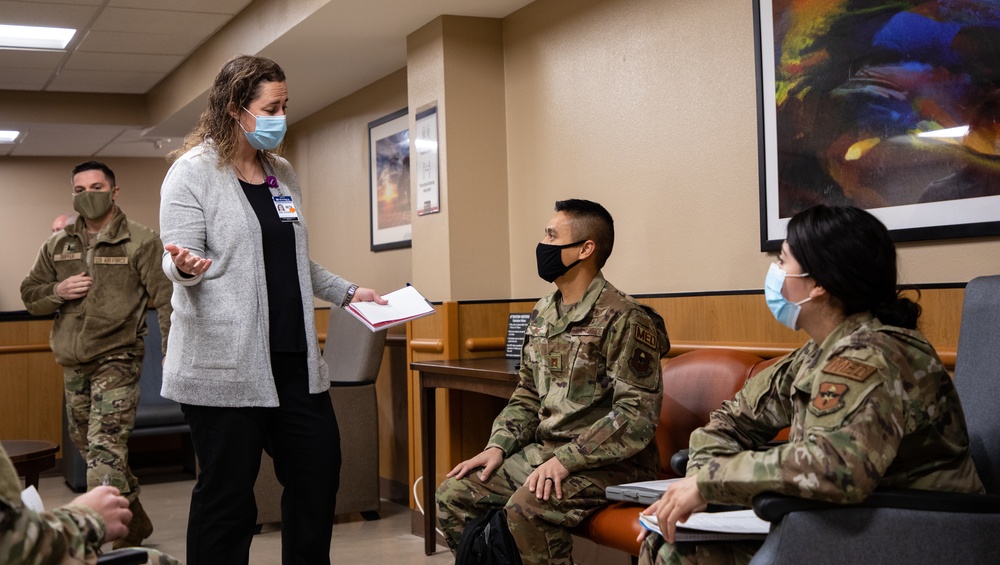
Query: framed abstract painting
{"type": "Point", "coordinates": [893, 107]}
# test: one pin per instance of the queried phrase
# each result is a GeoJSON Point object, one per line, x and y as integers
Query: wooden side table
{"type": "Point", "coordinates": [31, 457]}
{"type": "Point", "coordinates": [495, 376]}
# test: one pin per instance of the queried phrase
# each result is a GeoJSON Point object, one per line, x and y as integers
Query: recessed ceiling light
{"type": "Point", "coordinates": [31, 37]}
{"type": "Point", "coordinates": [8, 136]}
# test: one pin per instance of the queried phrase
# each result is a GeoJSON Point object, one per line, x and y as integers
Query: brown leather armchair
{"type": "Point", "coordinates": [694, 384]}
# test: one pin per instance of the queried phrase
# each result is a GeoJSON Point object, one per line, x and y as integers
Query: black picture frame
{"type": "Point", "coordinates": [857, 105]}
{"type": "Point", "coordinates": [390, 211]}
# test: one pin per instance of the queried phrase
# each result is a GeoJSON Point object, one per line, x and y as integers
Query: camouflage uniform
{"type": "Point", "coordinates": [69, 534]}
{"type": "Point", "coordinates": [98, 338]}
{"type": "Point", "coordinates": [870, 406]}
{"type": "Point", "coordinates": [590, 395]}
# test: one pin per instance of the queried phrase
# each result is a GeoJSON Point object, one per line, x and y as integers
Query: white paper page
{"type": "Point", "coordinates": [32, 500]}
{"type": "Point", "coordinates": [734, 522]}
{"type": "Point", "coordinates": [650, 523]}
{"type": "Point", "coordinates": [403, 303]}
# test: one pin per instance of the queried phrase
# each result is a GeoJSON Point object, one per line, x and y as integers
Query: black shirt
{"type": "Point", "coordinates": [284, 298]}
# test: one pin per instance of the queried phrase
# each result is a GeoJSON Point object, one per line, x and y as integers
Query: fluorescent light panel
{"type": "Point", "coordinates": [8, 136]}
{"type": "Point", "coordinates": [31, 37]}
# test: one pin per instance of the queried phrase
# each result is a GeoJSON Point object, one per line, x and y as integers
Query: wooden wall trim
{"type": "Point", "coordinates": [474, 344]}
{"type": "Point", "coordinates": [427, 345]}
{"type": "Point", "coordinates": [36, 348]}
{"type": "Point", "coordinates": [764, 350]}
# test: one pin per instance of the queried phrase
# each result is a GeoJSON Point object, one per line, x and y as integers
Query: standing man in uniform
{"type": "Point", "coordinates": [585, 410]}
{"type": "Point", "coordinates": [98, 275]}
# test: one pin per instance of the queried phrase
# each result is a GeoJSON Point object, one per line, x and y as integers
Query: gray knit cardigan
{"type": "Point", "coordinates": [219, 353]}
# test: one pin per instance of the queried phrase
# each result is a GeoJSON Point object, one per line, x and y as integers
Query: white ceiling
{"type": "Point", "coordinates": [128, 46]}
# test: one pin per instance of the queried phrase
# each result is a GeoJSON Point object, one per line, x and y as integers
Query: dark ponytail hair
{"type": "Point", "coordinates": [850, 254]}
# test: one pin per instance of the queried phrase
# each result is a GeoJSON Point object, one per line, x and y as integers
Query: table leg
{"type": "Point", "coordinates": [31, 478]}
{"type": "Point", "coordinates": [427, 425]}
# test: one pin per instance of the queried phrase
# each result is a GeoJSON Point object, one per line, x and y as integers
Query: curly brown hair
{"type": "Point", "coordinates": [236, 85]}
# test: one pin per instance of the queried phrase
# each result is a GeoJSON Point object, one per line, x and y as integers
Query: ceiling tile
{"type": "Point", "coordinates": [149, 43]}
{"type": "Point", "coordinates": [131, 143]}
{"type": "Point", "coordinates": [158, 21]}
{"type": "Point", "coordinates": [71, 2]}
{"type": "Point", "coordinates": [65, 139]}
{"type": "Point", "coordinates": [23, 79]}
{"type": "Point", "coordinates": [122, 62]}
{"type": "Point", "coordinates": [30, 59]}
{"type": "Point", "coordinates": [230, 7]}
{"type": "Point", "coordinates": [44, 14]}
{"type": "Point", "coordinates": [104, 81]}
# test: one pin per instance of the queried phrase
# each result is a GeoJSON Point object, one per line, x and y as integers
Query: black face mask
{"type": "Point", "coordinates": [549, 257]}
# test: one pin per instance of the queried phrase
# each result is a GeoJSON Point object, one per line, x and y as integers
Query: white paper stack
{"type": "Point", "coordinates": [404, 305]}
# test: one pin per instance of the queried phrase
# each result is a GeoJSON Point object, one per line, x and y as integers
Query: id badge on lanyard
{"type": "Point", "coordinates": [286, 208]}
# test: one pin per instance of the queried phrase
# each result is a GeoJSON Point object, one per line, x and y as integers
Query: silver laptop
{"type": "Point", "coordinates": [645, 492]}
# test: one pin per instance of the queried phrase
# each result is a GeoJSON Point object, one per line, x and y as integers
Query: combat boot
{"type": "Point", "coordinates": [139, 528]}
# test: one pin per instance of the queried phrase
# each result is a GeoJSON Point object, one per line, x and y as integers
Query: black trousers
{"type": "Point", "coordinates": [302, 437]}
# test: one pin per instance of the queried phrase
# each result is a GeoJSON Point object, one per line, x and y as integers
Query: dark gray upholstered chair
{"type": "Point", "coordinates": [907, 526]}
{"type": "Point", "coordinates": [354, 355]}
{"type": "Point", "coordinates": [154, 416]}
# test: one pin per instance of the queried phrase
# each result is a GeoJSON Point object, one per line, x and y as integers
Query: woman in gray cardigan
{"type": "Point", "coordinates": [243, 359]}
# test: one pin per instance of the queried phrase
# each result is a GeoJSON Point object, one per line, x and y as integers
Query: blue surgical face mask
{"type": "Point", "coordinates": [268, 133]}
{"type": "Point", "coordinates": [784, 311]}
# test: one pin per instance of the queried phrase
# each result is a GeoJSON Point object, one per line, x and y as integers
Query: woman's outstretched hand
{"type": "Point", "coordinates": [187, 262]}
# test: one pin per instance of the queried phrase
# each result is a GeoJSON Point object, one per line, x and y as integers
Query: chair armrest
{"type": "Point", "coordinates": [124, 557]}
{"type": "Point", "coordinates": [679, 462]}
{"type": "Point", "coordinates": [773, 507]}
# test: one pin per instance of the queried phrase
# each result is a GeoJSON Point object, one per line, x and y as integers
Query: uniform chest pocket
{"type": "Point", "coordinates": [587, 365]}
{"type": "Point", "coordinates": [116, 289]}
{"type": "Point", "coordinates": [535, 358]}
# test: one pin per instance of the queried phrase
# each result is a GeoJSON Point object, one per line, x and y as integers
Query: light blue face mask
{"type": "Point", "coordinates": [784, 311]}
{"type": "Point", "coordinates": [268, 133]}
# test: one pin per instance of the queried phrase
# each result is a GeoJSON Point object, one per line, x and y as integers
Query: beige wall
{"type": "Point", "coordinates": [425, 85]}
{"type": "Point", "coordinates": [648, 107]}
{"type": "Point", "coordinates": [36, 190]}
{"type": "Point", "coordinates": [477, 165]}
{"type": "Point", "coordinates": [461, 253]}
{"type": "Point", "coordinates": [329, 151]}
{"type": "Point", "coordinates": [638, 104]}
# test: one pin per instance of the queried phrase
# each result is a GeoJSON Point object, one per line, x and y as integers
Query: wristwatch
{"type": "Point", "coordinates": [350, 295]}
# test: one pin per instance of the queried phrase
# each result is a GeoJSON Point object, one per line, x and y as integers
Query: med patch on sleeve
{"type": "Point", "coordinates": [640, 356]}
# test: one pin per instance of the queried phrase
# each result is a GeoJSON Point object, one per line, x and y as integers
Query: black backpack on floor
{"type": "Point", "coordinates": [487, 541]}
